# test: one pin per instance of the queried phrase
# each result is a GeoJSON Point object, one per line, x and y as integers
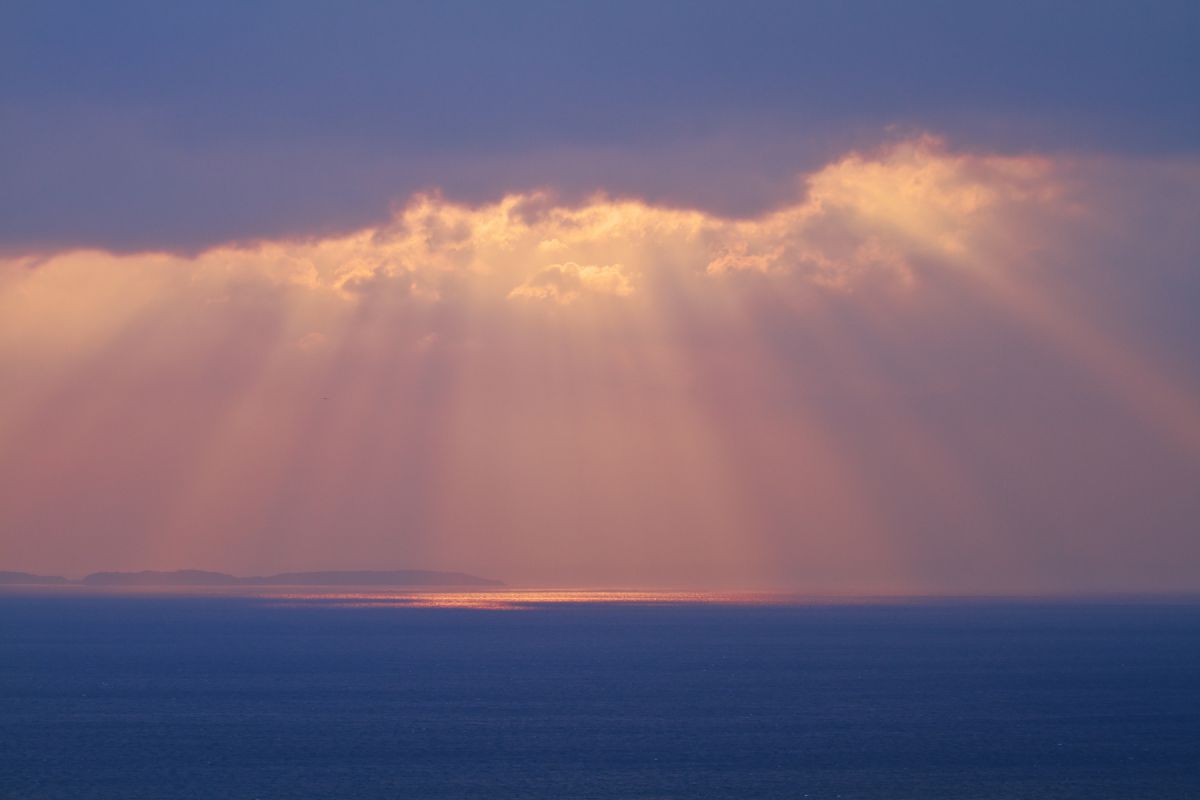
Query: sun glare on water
{"type": "Point", "coordinates": [519, 600]}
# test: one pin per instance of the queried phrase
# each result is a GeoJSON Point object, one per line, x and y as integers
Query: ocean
{"type": "Point", "coordinates": [125, 696]}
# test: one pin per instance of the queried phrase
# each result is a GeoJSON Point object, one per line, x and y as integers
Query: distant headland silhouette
{"type": "Point", "coordinates": [197, 577]}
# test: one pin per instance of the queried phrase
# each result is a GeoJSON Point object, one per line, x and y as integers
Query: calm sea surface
{"type": "Point", "coordinates": [374, 696]}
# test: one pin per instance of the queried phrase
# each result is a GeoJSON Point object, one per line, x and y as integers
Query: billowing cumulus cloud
{"type": "Point", "coordinates": [563, 283]}
{"type": "Point", "coordinates": [923, 369]}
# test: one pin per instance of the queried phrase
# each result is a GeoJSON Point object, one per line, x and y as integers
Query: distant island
{"type": "Point", "coordinates": [196, 577]}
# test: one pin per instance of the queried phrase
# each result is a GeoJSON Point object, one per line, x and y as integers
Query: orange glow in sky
{"type": "Point", "coordinates": [893, 383]}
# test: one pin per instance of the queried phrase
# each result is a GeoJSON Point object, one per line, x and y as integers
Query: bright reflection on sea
{"type": "Point", "coordinates": [518, 600]}
{"type": "Point", "coordinates": [331, 596]}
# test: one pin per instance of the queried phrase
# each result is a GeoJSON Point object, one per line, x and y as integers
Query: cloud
{"type": "Point", "coordinates": [565, 283]}
{"type": "Point", "coordinates": [863, 217]}
{"type": "Point", "coordinates": [872, 215]}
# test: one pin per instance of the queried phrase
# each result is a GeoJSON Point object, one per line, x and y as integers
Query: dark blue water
{"type": "Point", "coordinates": [128, 697]}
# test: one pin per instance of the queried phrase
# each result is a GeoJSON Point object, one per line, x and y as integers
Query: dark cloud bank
{"type": "Point", "coordinates": [136, 125]}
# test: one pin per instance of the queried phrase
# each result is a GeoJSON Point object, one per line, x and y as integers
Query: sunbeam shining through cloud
{"type": "Point", "coordinates": [924, 371]}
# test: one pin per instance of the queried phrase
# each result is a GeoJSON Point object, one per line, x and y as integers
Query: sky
{"type": "Point", "coordinates": [828, 297]}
